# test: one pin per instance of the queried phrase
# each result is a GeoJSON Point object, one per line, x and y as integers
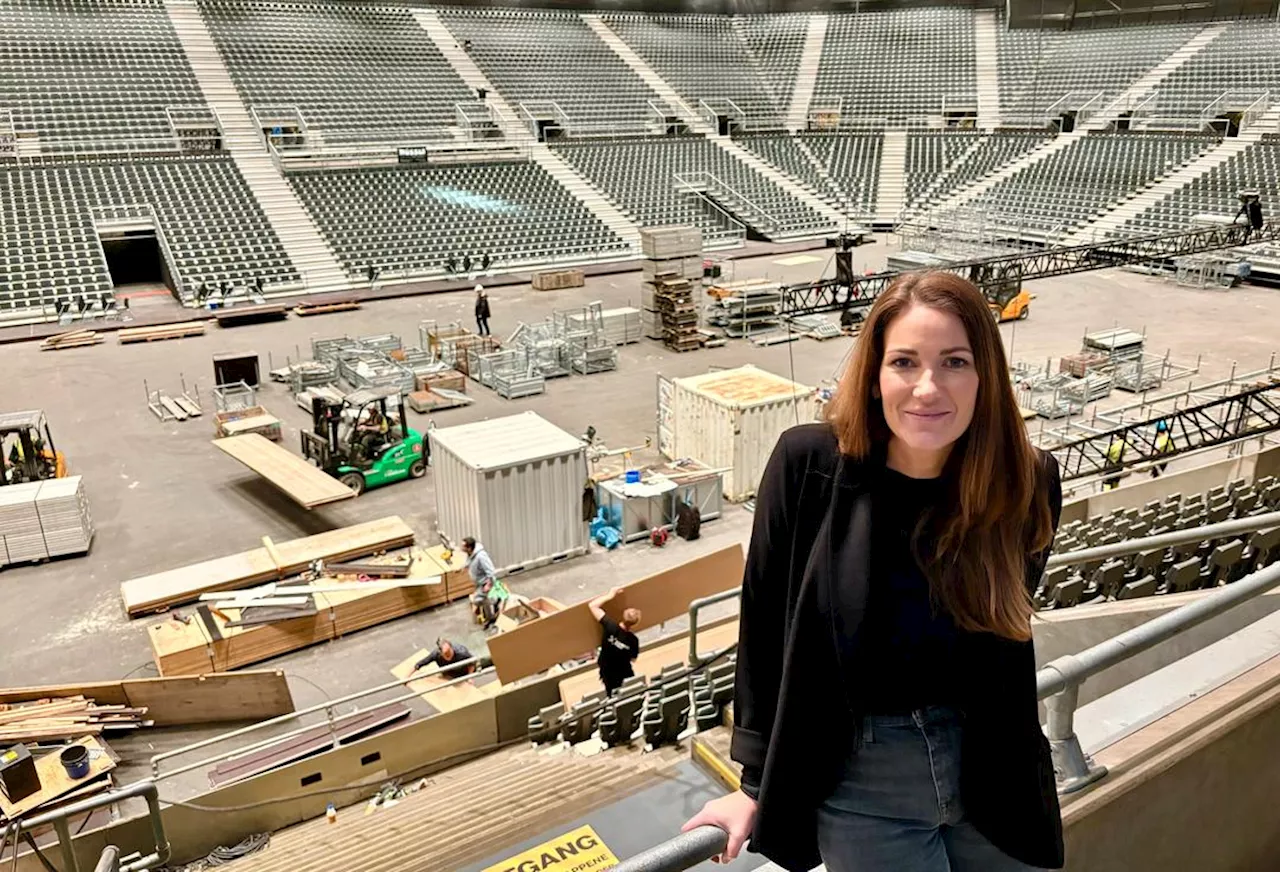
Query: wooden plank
{"type": "Point", "coordinates": [173, 408]}
{"type": "Point", "coordinates": [194, 648]}
{"type": "Point", "coordinates": [430, 686]}
{"type": "Point", "coordinates": [305, 484]}
{"type": "Point", "coordinates": [54, 778]}
{"type": "Point", "coordinates": [207, 699]}
{"type": "Point", "coordinates": [652, 660]}
{"type": "Point", "coordinates": [160, 331]}
{"type": "Point", "coordinates": [249, 425]}
{"type": "Point", "coordinates": [540, 644]}
{"type": "Point", "coordinates": [156, 593]}
{"type": "Point", "coordinates": [270, 548]}
{"type": "Point", "coordinates": [189, 407]}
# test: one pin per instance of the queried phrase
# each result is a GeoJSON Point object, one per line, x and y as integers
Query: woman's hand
{"type": "Point", "coordinates": [735, 814]}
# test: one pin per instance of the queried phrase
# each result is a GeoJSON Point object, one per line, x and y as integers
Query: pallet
{"type": "Point", "coordinates": [306, 309]}
{"type": "Point", "coordinates": [160, 332]}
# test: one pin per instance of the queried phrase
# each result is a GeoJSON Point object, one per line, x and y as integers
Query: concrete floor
{"type": "Point", "coordinates": [162, 497]}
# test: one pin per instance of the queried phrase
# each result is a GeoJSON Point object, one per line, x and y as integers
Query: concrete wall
{"type": "Point", "coordinates": [1073, 630]}
{"type": "Point", "coordinates": [1193, 791]}
{"type": "Point", "coordinates": [1136, 492]}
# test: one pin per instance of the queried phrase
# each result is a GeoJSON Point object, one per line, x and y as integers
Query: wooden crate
{"type": "Point", "coordinates": [451, 380]}
{"type": "Point", "coordinates": [558, 279]}
{"type": "Point", "coordinates": [253, 419]}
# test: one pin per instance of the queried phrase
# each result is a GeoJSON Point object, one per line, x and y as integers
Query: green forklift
{"type": "Point", "coordinates": [364, 441]}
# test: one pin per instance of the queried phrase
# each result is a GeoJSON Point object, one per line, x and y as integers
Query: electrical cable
{"type": "Point", "coordinates": [135, 670]}
{"type": "Point", "coordinates": [221, 856]}
{"type": "Point", "coordinates": [44, 861]}
{"type": "Point", "coordinates": [328, 697]}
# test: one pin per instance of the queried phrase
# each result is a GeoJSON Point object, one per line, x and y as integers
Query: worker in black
{"type": "Point", "coordinates": [482, 311]}
{"type": "Point", "coordinates": [619, 646]}
{"type": "Point", "coordinates": [885, 710]}
{"type": "Point", "coordinates": [447, 652]}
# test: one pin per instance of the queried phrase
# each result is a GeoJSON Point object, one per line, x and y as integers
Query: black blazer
{"type": "Point", "coordinates": [793, 719]}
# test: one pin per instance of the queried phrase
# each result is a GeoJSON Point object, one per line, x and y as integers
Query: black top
{"type": "Point", "coordinates": [460, 652]}
{"type": "Point", "coordinates": [905, 641]}
{"type": "Point", "coordinates": [618, 647]}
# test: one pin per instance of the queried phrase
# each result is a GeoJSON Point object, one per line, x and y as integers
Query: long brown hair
{"type": "Point", "coordinates": [998, 512]}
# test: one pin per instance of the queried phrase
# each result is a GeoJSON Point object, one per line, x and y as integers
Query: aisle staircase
{"type": "Point", "coordinates": [986, 62]}
{"type": "Point", "coordinates": [298, 234]}
{"type": "Point", "coordinates": [807, 73]}
{"type": "Point", "coordinates": [1111, 222]}
{"type": "Point", "coordinates": [640, 66]}
{"type": "Point", "coordinates": [892, 186]}
{"type": "Point", "coordinates": [1100, 121]}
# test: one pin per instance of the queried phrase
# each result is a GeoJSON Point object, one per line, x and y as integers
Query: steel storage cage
{"type": "Point", "coordinates": [516, 485]}
{"type": "Point", "coordinates": [730, 420]}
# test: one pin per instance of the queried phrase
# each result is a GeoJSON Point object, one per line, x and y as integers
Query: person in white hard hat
{"type": "Point", "coordinates": [482, 311]}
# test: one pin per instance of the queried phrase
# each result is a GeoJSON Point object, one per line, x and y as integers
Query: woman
{"type": "Point", "coordinates": [885, 713]}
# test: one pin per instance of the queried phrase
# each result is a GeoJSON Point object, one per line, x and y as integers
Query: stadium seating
{"type": "Point", "coordinates": [93, 75]}
{"type": "Point", "coordinates": [409, 220]}
{"type": "Point", "coordinates": [929, 153]}
{"type": "Point", "coordinates": [1240, 64]}
{"type": "Point", "coordinates": [853, 161]}
{"type": "Point", "coordinates": [536, 55]}
{"type": "Point", "coordinates": [1040, 67]}
{"type": "Point", "coordinates": [703, 58]}
{"type": "Point", "coordinates": [639, 176]}
{"type": "Point", "coordinates": [897, 65]}
{"type": "Point", "coordinates": [214, 227]}
{"type": "Point", "coordinates": [356, 72]}
{"type": "Point", "coordinates": [1193, 566]}
{"type": "Point", "coordinates": [775, 44]}
{"type": "Point", "coordinates": [1092, 174]}
{"type": "Point", "coordinates": [1214, 193]}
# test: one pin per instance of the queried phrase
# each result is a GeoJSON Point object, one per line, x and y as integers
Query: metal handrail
{"type": "Point", "coordinates": [1057, 685]}
{"type": "Point", "coordinates": [327, 707]}
{"type": "Point", "coordinates": [58, 819]}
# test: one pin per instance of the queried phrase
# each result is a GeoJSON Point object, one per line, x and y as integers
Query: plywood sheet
{"type": "Point", "coordinates": [54, 778]}
{"type": "Point", "coordinates": [239, 696]}
{"type": "Point", "coordinates": [538, 645]}
{"type": "Point", "coordinates": [431, 685]}
{"type": "Point", "coordinates": [652, 660]}
{"type": "Point", "coordinates": [306, 485]}
{"type": "Point", "coordinates": [156, 593]}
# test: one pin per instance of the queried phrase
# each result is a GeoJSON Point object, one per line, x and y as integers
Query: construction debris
{"type": "Point", "coordinates": [159, 332]}
{"type": "Point", "coordinates": [75, 339]}
{"type": "Point", "coordinates": [174, 408]}
{"type": "Point", "coordinates": [59, 718]}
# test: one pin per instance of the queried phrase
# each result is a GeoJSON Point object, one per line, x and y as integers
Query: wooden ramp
{"type": "Point", "coordinates": [303, 483]}
{"type": "Point", "coordinates": [465, 813]}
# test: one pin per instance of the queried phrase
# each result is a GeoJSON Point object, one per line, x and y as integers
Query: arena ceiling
{"type": "Point", "coordinates": [1082, 14]}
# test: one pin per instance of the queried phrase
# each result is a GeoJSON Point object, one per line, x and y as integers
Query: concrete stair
{"type": "Point", "coordinates": [447, 43]}
{"type": "Point", "coordinates": [591, 196]}
{"type": "Point", "coordinates": [891, 187]}
{"type": "Point", "coordinates": [651, 78]}
{"type": "Point", "coordinates": [1098, 121]}
{"type": "Point", "coordinates": [986, 53]}
{"type": "Point", "coordinates": [807, 73]}
{"type": "Point", "coordinates": [1110, 222]}
{"type": "Point", "coordinates": [298, 234]}
{"type": "Point", "coordinates": [466, 813]}
{"type": "Point", "coordinates": [789, 183]}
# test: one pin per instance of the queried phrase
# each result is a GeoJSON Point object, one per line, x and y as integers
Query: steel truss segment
{"type": "Point", "coordinates": [1248, 413]}
{"type": "Point", "coordinates": [827, 295]}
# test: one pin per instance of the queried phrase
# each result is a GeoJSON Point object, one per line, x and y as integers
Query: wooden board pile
{"type": "Point", "coordinates": [437, 400]}
{"type": "Point", "coordinates": [324, 307]}
{"type": "Point", "coordinates": [673, 261]}
{"type": "Point", "coordinates": [54, 719]}
{"type": "Point", "coordinates": [216, 637]}
{"type": "Point", "coordinates": [160, 331]}
{"type": "Point", "coordinates": [75, 339]}
{"type": "Point", "coordinates": [305, 484]}
{"type": "Point", "coordinates": [43, 519]}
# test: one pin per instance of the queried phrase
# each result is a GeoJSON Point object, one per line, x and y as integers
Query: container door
{"type": "Point", "coordinates": [666, 419]}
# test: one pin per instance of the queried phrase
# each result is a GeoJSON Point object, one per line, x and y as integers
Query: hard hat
{"type": "Point", "coordinates": [1162, 426]}
{"type": "Point", "coordinates": [479, 288]}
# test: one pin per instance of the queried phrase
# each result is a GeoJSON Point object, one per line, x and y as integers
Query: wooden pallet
{"type": "Point", "coordinates": [160, 332]}
{"type": "Point", "coordinates": [324, 308]}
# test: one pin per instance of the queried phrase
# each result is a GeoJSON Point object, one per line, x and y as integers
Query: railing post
{"type": "Point", "coordinates": [1073, 767]}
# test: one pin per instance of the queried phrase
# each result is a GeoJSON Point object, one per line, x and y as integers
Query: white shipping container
{"type": "Point", "coordinates": [731, 420]}
{"type": "Point", "coordinates": [515, 484]}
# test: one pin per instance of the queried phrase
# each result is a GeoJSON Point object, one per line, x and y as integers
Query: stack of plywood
{"type": "Point", "coordinates": [156, 593]}
{"type": "Point", "coordinates": [559, 279]}
{"type": "Point", "coordinates": [204, 640]}
{"type": "Point", "coordinates": [305, 484]}
{"type": "Point", "coordinates": [75, 339]}
{"type": "Point", "coordinates": [161, 331]}
{"type": "Point", "coordinates": [43, 519]}
{"type": "Point", "coordinates": [47, 720]}
{"type": "Point", "coordinates": [621, 325]}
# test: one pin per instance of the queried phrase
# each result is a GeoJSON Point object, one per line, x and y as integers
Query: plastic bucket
{"type": "Point", "coordinates": [633, 476]}
{"type": "Point", "coordinates": [76, 761]}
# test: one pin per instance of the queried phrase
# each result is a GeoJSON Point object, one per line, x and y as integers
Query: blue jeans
{"type": "Point", "coordinates": [897, 807]}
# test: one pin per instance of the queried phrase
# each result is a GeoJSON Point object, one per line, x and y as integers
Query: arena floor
{"type": "Point", "coordinates": [162, 497]}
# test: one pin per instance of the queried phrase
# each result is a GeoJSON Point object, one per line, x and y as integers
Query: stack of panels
{"type": "Point", "coordinates": [660, 243]}
{"type": "Point", "coordinates": [621, 325]}
{"type": "Point", "coordinates": [64, 516]}
{"type": "Point", "coordinates": [20, 523]}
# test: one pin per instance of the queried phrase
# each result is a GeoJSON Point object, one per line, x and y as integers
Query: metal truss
{"type": "Point", "coordinates": [991, 273]}
{"type": "Point", "coordinates": [1250, 412]}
